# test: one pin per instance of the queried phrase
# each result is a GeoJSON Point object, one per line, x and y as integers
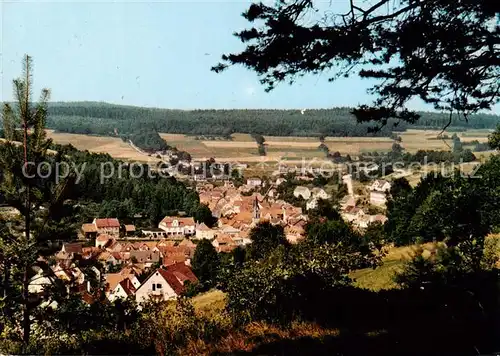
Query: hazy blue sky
{"type": "Point", "coordinates": [148, 53]}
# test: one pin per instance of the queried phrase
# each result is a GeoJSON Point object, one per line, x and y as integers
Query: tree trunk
{"type": "Point", "coordinates": [26, 311]}
{"type": "Point", "coordinates": [26, 281]}
{"type": "Point", "coordinates": [27, 217]}
{"type": "Point", "coordinates": [6, 279]}
{"type": "Point", "coordinates": [5, 289]}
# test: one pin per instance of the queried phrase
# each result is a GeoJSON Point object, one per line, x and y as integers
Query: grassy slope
{"type": "Point", "coordinates": [382, 277]}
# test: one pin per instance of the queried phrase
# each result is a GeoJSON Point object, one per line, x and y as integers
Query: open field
{"type": "Point", "coordinates": [293, 150]}
{"type": "Point", "coordinates": [112, 145]}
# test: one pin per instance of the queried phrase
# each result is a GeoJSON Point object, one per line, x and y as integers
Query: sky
{"type": "Point", "coordinates": [149, 53]}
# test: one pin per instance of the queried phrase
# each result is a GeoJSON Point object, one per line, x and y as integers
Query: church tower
{"type": "Point", "coordinates": [256, 211]}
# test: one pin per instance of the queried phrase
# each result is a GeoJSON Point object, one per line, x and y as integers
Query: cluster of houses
{"type": "Point", "coordinates": [108, 226]}
{"type": "Point", "coordinates": [239, 210]}
{"type": "Point", "coordinates": [356, 215]}
{"type": "Point", "coordinates": [145, 270]}
{"type": "Point", "coordinates": [311, 195]}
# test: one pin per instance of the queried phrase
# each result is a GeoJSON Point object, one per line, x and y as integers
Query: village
{"type": "Point", "coordinates": [155, 263]}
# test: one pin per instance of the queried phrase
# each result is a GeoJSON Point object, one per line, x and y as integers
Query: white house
{"type": "Point", "coordinates": [347, 180]}
{"type": "Point", "coordinates": [229, 230]}
{"type": "Point", "coordinates": [254, 182]}
{"type": "Point", "coordinates": [204, 232]}
{"type": "Point", "coordinates": [124, 289]}
{"type": "Point", "coordinates": [319, 193]}
{"type": "Point", "coordinates": [71, 274]}
{"type": "Point", "coordinates": [280, 180]}
{"type": "Point", "coordinates": [380, 185]}
{"type": "Point", "coordinates": [352, 213]}
{"type": "Point", "coordinates": [378, 192]}
{"type": "Point", "coordinates": [39, 282]}
{"type": "Point", "coordinates": [165, 283]}
{"type": "Point", "coordinates": [102, 240]}
{"type": "Point", "coordinates": [177, 226]}
{"type": "Point", "coordinates": [303, 192]}
{"type": "Point", "coordinates": [312, 204]}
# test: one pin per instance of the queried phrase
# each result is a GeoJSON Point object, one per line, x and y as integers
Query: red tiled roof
{"type": "Point", "coordinates": [127, 286]}
{"type": "Point", "coordinates": [173, 258]}
{"type": "Point", "coordinates": [168, 220]}
{"type": "Point", "coordinates": [187, 243]}
{"type": "Point", "coordinates": [165, 243]}
{"type": "Point", "coordinates": [107, 222]}
{"type": "Point", "coordinates": [226, 248]}
{"type": "Point", "coordinates": [87, 298]}
{"type": "Point", "coordinates": [87, 228]}
{"type": "Point", "coordinates": [117, 255]}
{"type": "Point", "coordinates": [203, 227]}
{"type": "Point", "coordinates": [129, 228]}
{"type": "Point", "coordinates": [90, 251]}
{"type": "Point", "coordinates": [176, 275]}
{"type": "Point", "coordinates": [103, 237]}
{"type": "Point", "coordinates": [75, 247]}
{"type": "Point", "coordinates": [224, 239]}
{"type": "Point", "coordinates": [351, 209]}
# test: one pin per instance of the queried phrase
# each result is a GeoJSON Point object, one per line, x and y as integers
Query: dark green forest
{"type": "Point", "coordinates": [109, 119]}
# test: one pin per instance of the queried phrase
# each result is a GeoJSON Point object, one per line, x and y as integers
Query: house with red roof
{"type": "Point", "coordinates": [110, 226]}
{"type": "Point", "coordinates": [89, 231]}
{"type": "Point", "coordinates": [165, 283]}
{"type": "Point", "coordinates": [177, 226]}
{"type": "Point", "coordinates": [123, 289]}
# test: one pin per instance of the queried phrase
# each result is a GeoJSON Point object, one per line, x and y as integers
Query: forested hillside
{"type": "Point", "coordinates": [108, 119]}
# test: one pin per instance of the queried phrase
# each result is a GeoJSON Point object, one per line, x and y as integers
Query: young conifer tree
{"type": "Point", "coordinates": [28, 183]}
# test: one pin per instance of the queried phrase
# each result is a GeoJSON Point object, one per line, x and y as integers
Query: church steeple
{"type": "Point", "coordinates": [256, 210]}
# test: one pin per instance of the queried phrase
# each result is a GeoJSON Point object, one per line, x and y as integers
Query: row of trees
{"type": "Point", "coordinates": [107, 119]}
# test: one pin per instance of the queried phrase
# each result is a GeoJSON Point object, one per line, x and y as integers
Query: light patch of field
{"type": "Point", "coordinates": [475, 133]}
{"type": "Point", "coordinates": [242, 137]}
{"type": "Point", "coordinates": [248, 159]}
{"type": "Point", "coordinates": [270, 139]}
{"type": "Point", "coordinates": [484, 155]}
{"type": "Point", "coordinates": [295, 153]}
{"type": "Point", "coordinates": [414, 140]}
{"type": "Point", "coordinates": [287, 143]}
{"type": "Point", "coordinates": [481, 139]}
{"type": "Point", "coordinates": [113, 146]}
{"type": "Point", "coordinates": [229, 144]}
{"type": "Point", "coordinates": [349, 147]}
